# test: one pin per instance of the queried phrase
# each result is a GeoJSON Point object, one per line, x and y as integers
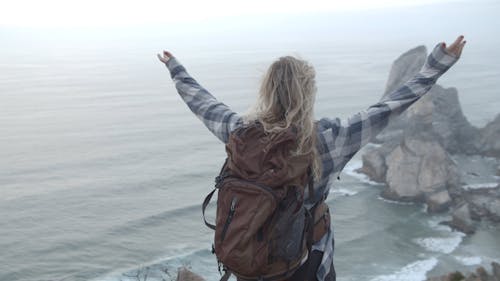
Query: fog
{"type": "Point", "coordinates": [382, 26]}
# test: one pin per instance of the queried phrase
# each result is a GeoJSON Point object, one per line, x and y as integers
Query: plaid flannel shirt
{"type": "Point", "coordinates": [338, 140]}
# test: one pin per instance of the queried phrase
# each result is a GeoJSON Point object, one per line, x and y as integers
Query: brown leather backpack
{"type": "Point", "coordinates": [263, 231]}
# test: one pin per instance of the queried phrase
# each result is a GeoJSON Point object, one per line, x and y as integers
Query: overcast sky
{"type": "Point", "coordinates": [99, 13]}
{"type": "Point", "coordinates": [232, 24]}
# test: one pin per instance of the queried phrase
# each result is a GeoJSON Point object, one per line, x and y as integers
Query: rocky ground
{"type": "Point", "coordinates": [413, 155]}
{"type": "Point", "coordinates": [480, 275]}
{"type": "Point", "coordinates": [185, 274]}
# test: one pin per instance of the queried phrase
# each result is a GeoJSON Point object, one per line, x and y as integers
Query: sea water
{"type": "Point", "coordinates": [103, 167]}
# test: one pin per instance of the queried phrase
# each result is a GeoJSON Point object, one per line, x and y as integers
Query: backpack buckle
{"type": "Point", "coordinates": [219, 179]}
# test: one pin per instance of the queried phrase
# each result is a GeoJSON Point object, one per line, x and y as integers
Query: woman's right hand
{"type": "Point", "coordinates": [166, 56]}
{"type": "Point", "coordinates": [455, 49]}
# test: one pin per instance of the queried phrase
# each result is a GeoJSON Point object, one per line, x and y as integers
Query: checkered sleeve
{"type": "Point", "coordinates": [216, 116]}
{"type": "Point", "coordinates": [344, 139]}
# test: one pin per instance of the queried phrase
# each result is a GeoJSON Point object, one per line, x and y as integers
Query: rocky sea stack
{"type": "Point", "coordinates": [413, 155]}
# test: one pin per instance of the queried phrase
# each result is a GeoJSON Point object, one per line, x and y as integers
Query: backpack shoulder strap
{"type": "Point", "coordinates": [226, 275]}
{"type": "Point", "coordinates": [218, 180]}
{"type": "Point", "coordinates": [204, 207]}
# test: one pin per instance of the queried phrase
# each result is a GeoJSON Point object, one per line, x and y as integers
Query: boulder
{"type": "Point", "coordinates": [462, 220]}
{"type": "Point", "coordinates": [476, 204]}
{"type": "Point", "coordinates": [484, 202]}
{"type": "Point", "coordinates": [454, 276]}
{"type": "Point", "coordinates": [490, 138]}
{"type": "Point", "coordinates": [374, 165]}
{"type": "Point", "coordinates": [420, 170]}
{"type": "Point", "coordinates": [438, 202]}
{"type": "Point", "coordinates": [496, 270]}
{"type": "Point", "coordinates": [481, 274]}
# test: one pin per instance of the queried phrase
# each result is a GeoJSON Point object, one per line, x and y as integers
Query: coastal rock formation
{"type": "Point", "coordinates": [374, 165]}
{"type": "Point", "coordinates": [412, 155]}
{"type": "Point", "coordinates": [462, 219]}
{"type": "Point", "coordinates": [417, 169]}
{"type": "Point", "coordinates": [420, 170]}
{"type": "Point", "coordinates": [484, 203]}
{"type": "Point", "coordinates": [481, 274]}
{"type": "Point", "coordinates": [473, 206]}
{"type": "Point", "coordinates": [403, 68]}
{"type": "Point", "coordinates": [440, 107]}
{"type": "Point", "coordinates": [490, 139]}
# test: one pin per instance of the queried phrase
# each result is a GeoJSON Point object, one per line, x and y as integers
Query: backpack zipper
{"type": "Point", "coordinates": [229, 218]}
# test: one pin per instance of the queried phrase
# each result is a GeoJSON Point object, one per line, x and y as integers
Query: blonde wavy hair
{"type": "Point", "coordinates": [286, 97]}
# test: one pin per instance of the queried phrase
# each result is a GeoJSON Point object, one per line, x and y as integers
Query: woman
{"type": "Point", "coordinates": [287, 98]}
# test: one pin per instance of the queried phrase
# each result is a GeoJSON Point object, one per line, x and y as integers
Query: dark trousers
{"type": "Point", "coordinates": [307, 271]}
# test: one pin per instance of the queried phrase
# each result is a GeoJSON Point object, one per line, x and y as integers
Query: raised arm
{"type": "Point", "coordinates": [216, 116]}
{"type": "Point", "coordinates": [345, 139]}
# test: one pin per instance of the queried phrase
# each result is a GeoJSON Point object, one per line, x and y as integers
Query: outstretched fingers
{"type": "Point", "coordinates": [460, 47]}
{"type": "Point", "coordinates": [456, 47]}
{"type": "Point", "coordinates": [457, 41]}
{"type": "Point", "coordinates": [166, 56]}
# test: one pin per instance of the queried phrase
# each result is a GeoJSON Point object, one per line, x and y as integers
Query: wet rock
{"type": "Point", "coordinates": [484, 202]}
{"type": "Point", "coordinates": [454, 276]}
{"type": "Point", "coordinates": [496, 270]}
{"type": "Point", "coordinates": [462, 220]}
{"type": "Point", "coordinates": [374, 165]}
{"type": "Point", "coordinates": [481, 274]}
{"type": "Point", "coordinates": [438, 202]}
{"type": "Point", "coordinates": [476, 205]}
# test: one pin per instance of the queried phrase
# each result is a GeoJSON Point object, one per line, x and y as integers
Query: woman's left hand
{"type": "Point", "coordinates": [166, 56]}
{"type": "Point", "coordinates": [455, 49]}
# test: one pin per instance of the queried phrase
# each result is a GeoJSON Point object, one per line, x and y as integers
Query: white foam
{"type": "Point", "coordinates": [350, 169]}
{"type": "Point", "coordinates": [343, 192]}
{"type": "Point", "coordinates": [415, 271]}
{"type": "Point", "coordinates": [180, 251]}
{"type": "Point", "coordinates": [444, 245]}
{"type": "Point", "coordinates": [394, 202]}
{"type": "Point", "coordinates": [373, 145]}
{"type": "Point", "coordinates": [480, 185]}
{"type": "Point", "coordinates": [469, 260]}
{"type": "Point", "coordinates": [435, 223]}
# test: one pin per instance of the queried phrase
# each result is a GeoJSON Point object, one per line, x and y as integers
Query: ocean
{"type": "Point", "coordinates": [103, 168]}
